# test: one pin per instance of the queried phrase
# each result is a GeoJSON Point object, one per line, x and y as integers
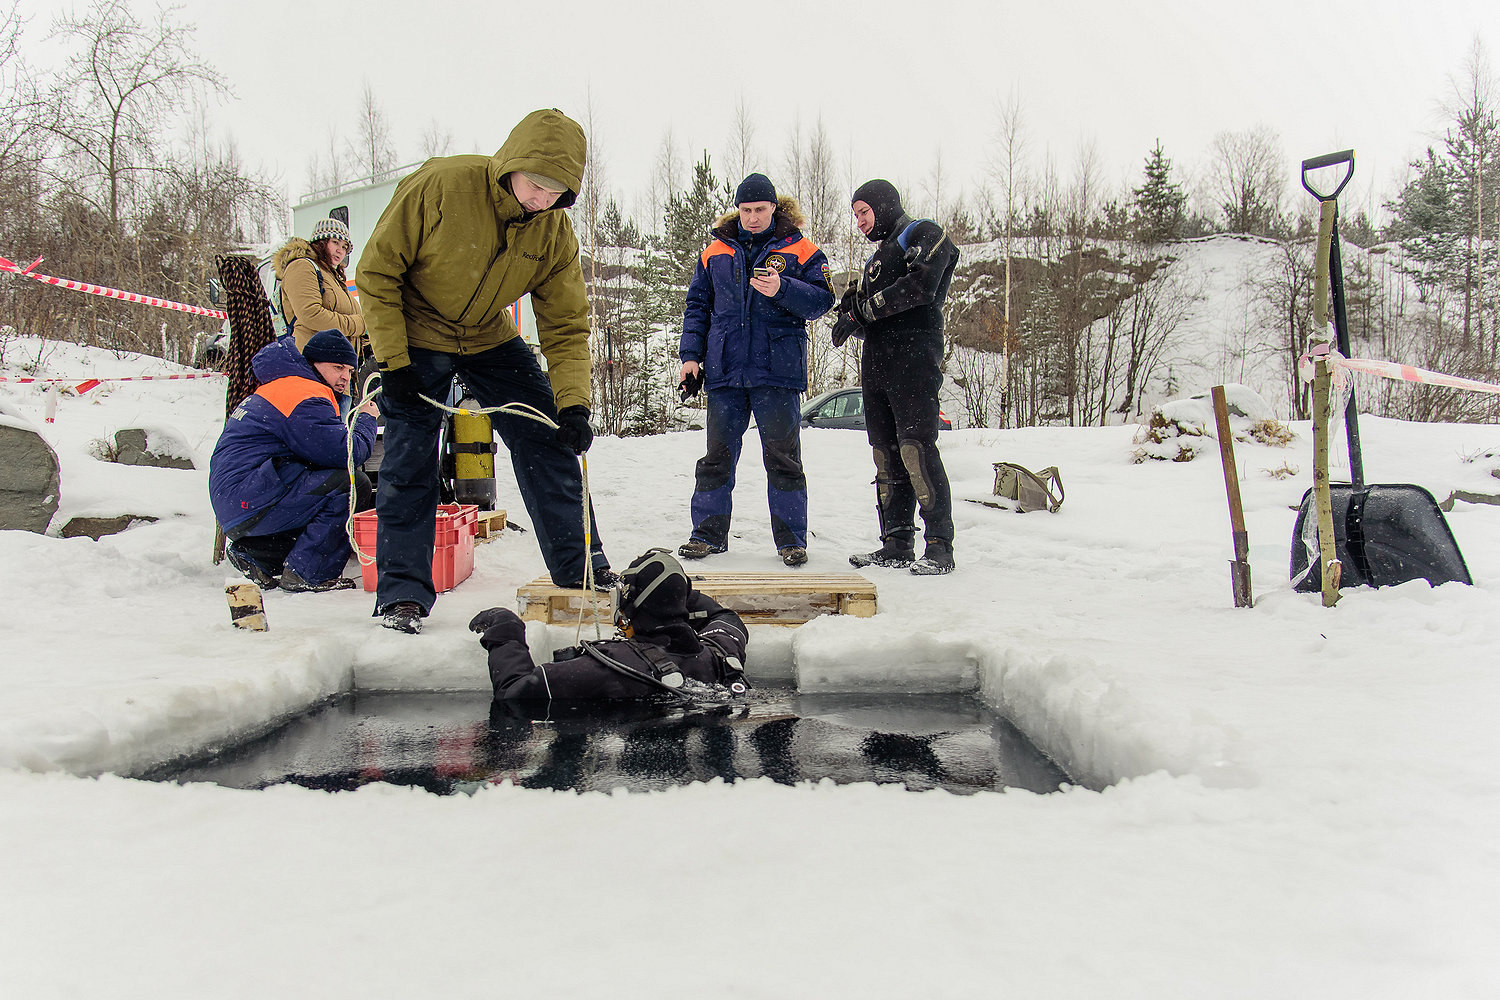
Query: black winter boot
{"type": "Point", "coordinates": [936, 561]}
{"type": "Point", "coordinates": [404, 616]}
{"type": "Point", "coordinates": [896, 553]}
{"type": "Point", "coordinates": [248, 565]}
{"type": "Point", "coordinates": [292, 583]}
{"type": "Point", "coordinates": [697, 548]}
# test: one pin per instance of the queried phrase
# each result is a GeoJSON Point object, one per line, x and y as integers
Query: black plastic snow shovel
{"type": "Point", "coordinates": [1383, 534]}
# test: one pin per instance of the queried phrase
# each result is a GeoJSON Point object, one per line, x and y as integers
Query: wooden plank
{"type": "Point", "coordinates": [489, 524]}
{"type": "Point", "coordinates": [758, 598]}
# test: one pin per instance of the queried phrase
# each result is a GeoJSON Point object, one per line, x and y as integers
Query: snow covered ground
{"type": "Point", "coordinates": [1281, 801]}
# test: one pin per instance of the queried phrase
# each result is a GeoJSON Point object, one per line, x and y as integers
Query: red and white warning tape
{"type": "Point", "coordinates": [1393, 370]}
{"type": "Point", "coordinates": [112, 293]}
{"type": "Point", "coordinates": [85, 385]}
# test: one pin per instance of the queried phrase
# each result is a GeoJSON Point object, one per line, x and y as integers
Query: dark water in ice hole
{"type": "Point", "coordinates": [458, 742]}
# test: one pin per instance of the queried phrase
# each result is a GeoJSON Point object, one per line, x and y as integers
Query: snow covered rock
{"type": "Point", "coordinates": [1179, 429]}
{"type": "Point", "coordinates": [155, 446]}
{"type": "Point", "coordinates": [28, 474]}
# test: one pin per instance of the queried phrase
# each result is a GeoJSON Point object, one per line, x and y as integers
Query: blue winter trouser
{"type": "Point", "coordinates": [315, 509]}
{"type": "Point", "coordinates": [546, 472]}
{"type": "Point", "coordinates": [778, 416]}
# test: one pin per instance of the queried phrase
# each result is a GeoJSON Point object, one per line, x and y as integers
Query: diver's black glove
{"type": "Point", "coordinates": [502, 622]}
{"type": "Point", "coordinates": [691, 385]}
{"type": "Point", "coordinates": [573, 430]}
{"type": "Point", "coordinates": [844, 327]}
{"type": "Point", "coordinates": [401, 385]}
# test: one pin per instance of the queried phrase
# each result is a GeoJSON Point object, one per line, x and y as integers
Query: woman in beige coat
{"type": "Point", "coordinates": [314, 290]}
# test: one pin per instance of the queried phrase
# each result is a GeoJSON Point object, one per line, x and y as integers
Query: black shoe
{"type": "Point", "coordinates": [257, 574]}
{"type": "Point", "coordinates": [292, 583]}
{"type": "Point", "coordinates": [885, 556]}
{"type": "Point", "coordinates": [604, 581]}
{"type": "Point", "coordinates": [936, 561]}
{"type": "Point", "coordinates": [792, 555]}
{"type": "Point", "coordinates": [404, 616]}
{"type": "Point", "coordinates": [697, 548]}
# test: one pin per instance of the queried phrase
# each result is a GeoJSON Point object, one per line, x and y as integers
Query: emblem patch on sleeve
{"type": "Point", "coordinates": [827, 277]}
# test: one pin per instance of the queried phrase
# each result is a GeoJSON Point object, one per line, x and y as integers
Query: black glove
{"type": "Point", "coordinates": [844, 327]}
{"type": "Point", "coordinates": [506, 621]}
{"type": "Point", "coordinates": [691, 385]}
{"type": "Point", "coordinates": [573, 430]}
{"type": "Point", "coordinates": [402, 385]}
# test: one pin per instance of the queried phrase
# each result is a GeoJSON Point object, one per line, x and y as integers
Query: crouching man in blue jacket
{"type": "Point", "coordinates": [279, 479]}
{"type": "Point", "coordinates": [673, 644]}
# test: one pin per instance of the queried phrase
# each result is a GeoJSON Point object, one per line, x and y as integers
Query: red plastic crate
{"type": "Point", "coordinates": [452, 544]}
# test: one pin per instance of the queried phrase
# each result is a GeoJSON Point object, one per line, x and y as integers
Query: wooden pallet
{"type": "Point", "coordinates": [490, 524]}
{"type": "Point", "coordinates": [788, 598]}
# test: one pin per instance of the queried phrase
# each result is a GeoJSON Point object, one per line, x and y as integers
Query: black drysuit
{"type": "Point", "coordinates": [708, 646]}
{"type": "Point", "coordinates": [897, 307]}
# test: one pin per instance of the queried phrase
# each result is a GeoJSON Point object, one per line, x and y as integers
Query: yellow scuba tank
{"type": "Point", "coordinates": [473, 447]}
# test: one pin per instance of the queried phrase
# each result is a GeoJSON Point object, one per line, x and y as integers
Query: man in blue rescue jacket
{"type": "Point", "coordinates": [744, 338]}
{"type": "Point", "coordinates": [278, 474]}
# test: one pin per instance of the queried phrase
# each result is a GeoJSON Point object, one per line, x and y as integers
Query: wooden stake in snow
{"type": "Point", "coordinates": [1239, 566]}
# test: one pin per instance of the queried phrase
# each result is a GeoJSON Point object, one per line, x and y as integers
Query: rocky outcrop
{"type": "Point", "coordinates": [28, 475]}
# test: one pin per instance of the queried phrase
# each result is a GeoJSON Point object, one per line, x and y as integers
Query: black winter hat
{"type": "Point", "coordinates": [330, 347]}
{"type": "Point", "coordinates": [756, 187]}
{"type": "Point", "coordinates": [885, 201]}
{"type": "Point", "coordinates": [654, 591]}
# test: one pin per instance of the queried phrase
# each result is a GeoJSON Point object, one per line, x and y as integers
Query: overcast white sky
{"type": "Point", "coordinates": [895, 82]}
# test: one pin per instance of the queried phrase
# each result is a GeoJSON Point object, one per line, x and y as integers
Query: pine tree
{"type": "Point", "coordinates": [661, 296]}
{"type": "Point", "coordinates": [1157, 213]}
{"type": "Point", "coordinates": [1428, 221]}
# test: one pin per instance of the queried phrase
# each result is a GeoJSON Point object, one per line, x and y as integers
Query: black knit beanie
{"type": "Point", "coordinates": [884, 200]}
{"type": "Point", "coordinates": [331, 347]}
{"type": "Point", "coordinates": [756, 187]}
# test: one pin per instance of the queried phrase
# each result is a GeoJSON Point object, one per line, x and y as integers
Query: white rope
{"type": "Point", "coordinates": [512, 409]}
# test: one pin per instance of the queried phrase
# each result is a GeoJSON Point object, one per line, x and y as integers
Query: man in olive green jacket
{"type": "Point", "coordinates": [463, 238]}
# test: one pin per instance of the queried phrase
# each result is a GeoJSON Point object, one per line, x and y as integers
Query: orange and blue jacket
{"type": "Point", "coordinates": [287, 426]}
{"type": "Point", "coordinates": [745, 339]}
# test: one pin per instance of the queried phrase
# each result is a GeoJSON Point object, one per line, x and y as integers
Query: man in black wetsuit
{"type": "Point", "coordinates": [670, 635]}
{"type": "Point", "coordinates": [896, 306]}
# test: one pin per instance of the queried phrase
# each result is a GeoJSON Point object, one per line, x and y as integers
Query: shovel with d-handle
{"type": "Point", "coordinates": [1330, 278]}
{"type": "Point", "coordinates": [1239, 566]}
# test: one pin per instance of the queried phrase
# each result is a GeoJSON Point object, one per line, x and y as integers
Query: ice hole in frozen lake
{"type": "Point", "coordinates": [459, 742]}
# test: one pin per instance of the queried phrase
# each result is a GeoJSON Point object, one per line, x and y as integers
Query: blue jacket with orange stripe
{"type": "Point", "coordinates": [741, 337]}
{"type": "Point", "coordinates": [287, 426]}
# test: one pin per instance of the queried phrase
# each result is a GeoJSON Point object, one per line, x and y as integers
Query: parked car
{"type": "Point", "coordinates": [846, 408]}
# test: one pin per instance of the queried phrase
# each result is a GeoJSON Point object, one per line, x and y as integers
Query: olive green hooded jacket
{"type": "Point", "coordinates": [454, 248]}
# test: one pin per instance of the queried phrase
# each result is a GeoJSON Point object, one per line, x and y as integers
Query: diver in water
{"type": "Point", "coordinates": [671, 642]}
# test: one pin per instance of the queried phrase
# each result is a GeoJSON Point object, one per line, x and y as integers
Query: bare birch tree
{"type": "Point", "coordinates": [117, 91]}
{"type": "Point", "coordinates": [436, 140]}
{"type": "Point", "coordinates": [1005, 166]}
{"type": "Point", "coordinates": [372, 151]}
{"type": "Point", "coordinates": [1247, 179]}
{"type": "Point", "coordinates": [742, 153]}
